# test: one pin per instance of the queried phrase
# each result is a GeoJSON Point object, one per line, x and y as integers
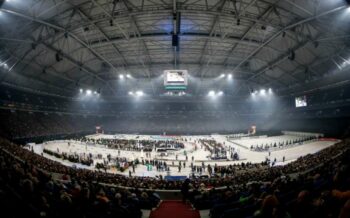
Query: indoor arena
{"type": "Point", "coordinates": [175, 108]}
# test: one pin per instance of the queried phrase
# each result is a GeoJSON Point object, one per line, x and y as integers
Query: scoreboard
{"type": "Point", "coordinates": [300, 101]}
{"type": "Point", "coordinates": [175, 79]}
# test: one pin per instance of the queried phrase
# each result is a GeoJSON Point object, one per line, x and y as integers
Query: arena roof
{"type": "Point", "coordinates": [60, 46]}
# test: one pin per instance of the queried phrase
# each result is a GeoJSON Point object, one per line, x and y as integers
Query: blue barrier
{"type": "Point", "coordinates": [175, 178]}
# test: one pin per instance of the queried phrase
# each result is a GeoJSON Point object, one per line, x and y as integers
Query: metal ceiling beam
{"type": "Point", "coordinates": [59, 28]}
{"type": "Point", "coordinates": [70, 34]}
{"type": "Point", "coordinates": [315, 63]}
{"type": "Point", "coordinates": [134, 66]}
{"type": "Point", "coordinates": [299, 7]}
{"type": "Point", "coordinates": [33, 58]}
{"type": "Point", "coordinates": [287, 28]}
{"type": "Point", "coordinates": [245, 34]}
{"type": "Point", "coordinates": [268, 10]}
{"type": "Point", "coordinates": [37, 80]}
{"type": "Point", "coordinates": [97, 44]}
{"type": "Point", "coordinates": [104, 10]}
{"type": "Point", "coordinates": [212, 29]}
{"type": "Point", "coordinates": [111, 17]}
{"type": "Point", "coordinates": [138, 35]}
{"type": "Point", "coordinates": [281, 59]}
{"type": "Point", "coordinates": [56, 4]}
{"type": "Point", "coordinates": [31, 62]}
{"type": "Point", "coordinates": [185, 9]}
{"type": "Point", "coordinates": [105, 36]}
{"type": "Point", "coordinates": [217, 37]}
{"type": "Point", "coordinates": [55, 74]}
{"type": "Point", "coordinates": [277, 61]}
{"type": "Point", "coordinates": [79, 65]}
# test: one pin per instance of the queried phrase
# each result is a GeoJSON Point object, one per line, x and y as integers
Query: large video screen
{"type": "Point", "coordinates": [300, 101]}
{"type": "Point", "coordinates": [174, 79]}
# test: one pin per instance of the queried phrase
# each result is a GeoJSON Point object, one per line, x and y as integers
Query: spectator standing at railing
{"type": "Point", "coordinates": [185, 188]}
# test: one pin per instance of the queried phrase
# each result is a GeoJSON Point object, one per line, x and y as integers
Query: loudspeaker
{"type": "Point", "coordinates": [291, 55]}
{"type": "Point", "coordinates": [175, 40]}
{"type": "Point", "coordinates": [58, 58]}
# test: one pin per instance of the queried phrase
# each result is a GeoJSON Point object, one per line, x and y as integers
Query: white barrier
{"type": "Point", "coordinates": [304, 134]}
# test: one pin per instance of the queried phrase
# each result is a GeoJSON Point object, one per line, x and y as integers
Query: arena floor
{"type": "Point", "coordinates": [246, 155]}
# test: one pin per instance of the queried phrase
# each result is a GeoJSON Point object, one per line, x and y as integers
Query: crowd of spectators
{"type": "Point", "coordinates": [26, 191]}
{"type": "Point", "coordinates": [322, 191]}
{"type": "Point", "coordinates": [319, 189]}
{"type": "Point", "coordinates": [222, 176]}
{"type": "Point", "coordinates": [19, 125]}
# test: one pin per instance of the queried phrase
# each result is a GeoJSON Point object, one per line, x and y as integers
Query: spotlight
{"type": "Point", "coordinates": [131, 93]}
{"type": "Point", "coordinates": [220, 93]}
{"type": "Point", "coordinates": [121, 76]}
{"type": "Point", "coordinates": [88, 92]}
{"type": "Point", "coordinates": [211, 93]}
{"type": "Point", "coordinates": [95, 92]}
{"type": "Point", "coordinates": [270, 91]}
{"type": "Point", "coordinates": [81, 90]}
{"type": "Point", "coordinates": [222, 75]}
{"type": "Point", "coordinates": [229, 76]}
{"type": "Point", "coordinates": [262, 91]}
{"type": "Point", "coordinates": [182, 93]}
{"type": "Point", "coordinates": [139, 93]}
{"type": "Point", "coordinates": [128, 75]}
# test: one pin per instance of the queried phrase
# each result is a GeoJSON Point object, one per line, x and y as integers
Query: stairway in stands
{"type": "Point", "coordinates": [174, 209]}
